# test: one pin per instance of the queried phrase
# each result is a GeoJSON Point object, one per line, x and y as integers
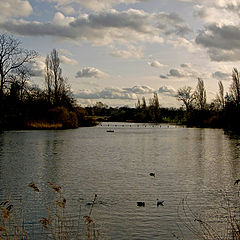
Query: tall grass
{"type": "Point", "coordinates": [57, 224]}
{"type": "Point", "coordinates": [222, 224]}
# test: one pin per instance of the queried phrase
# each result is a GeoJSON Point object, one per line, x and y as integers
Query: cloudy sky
{"type": "Point", "coordinates": [116, 51]}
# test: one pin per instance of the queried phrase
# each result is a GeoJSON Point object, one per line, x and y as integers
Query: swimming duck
{"type": "Point", "coordinates": [159, 203]}
{"type": "Point", "coordinates": [141, 204]}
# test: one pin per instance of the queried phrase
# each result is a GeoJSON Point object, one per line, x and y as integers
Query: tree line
{"type": "Point", "coordinates": [23, 105]}
{"type": "Point", "coordinates": [222, 112]}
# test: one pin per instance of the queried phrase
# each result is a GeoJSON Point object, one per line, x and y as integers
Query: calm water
{"type": "Point", "coordinates": [192, 163]}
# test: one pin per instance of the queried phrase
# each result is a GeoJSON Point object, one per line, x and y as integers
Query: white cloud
{"type": "Point", "coordinates": [65, 52]}
{"type": "Point", "coordinates": [189, 45]}
{"type": "Point", "coordinates": [60, 19]}
{"type": "Point", "coordinates": [68, 10]}
{"type": "Point", "coordinates": [213, 14]}
{"type": "Point", "coordinates": [167, 90]}
{"type": "Point", "coordinates": [94, 5]}
{"type": "Point", "coordinates": [124, 93]}
{"type": "Point", "coordinates": [14, 8]}
{"type": "Point", "coordinates": [140, 90]}
{"type": "Point", "coordinates": [185, 71]}
{"type": "Point", "coordinates": [155, 63]}
{"type": "Point", "coordinates": [37, 68]}
{"type": "Point", "coordinates": [89, 72]}
{"type": "Point", "coordinates": [171, 23]}
{"type": "Point", "coordinates": [105, 28]}
{"type": "Point", "coordinates": [106, 93]}
{"type": "Point", "coordinates": [132, 52]}
{"type": "Point", "coordinates": [67, 60]}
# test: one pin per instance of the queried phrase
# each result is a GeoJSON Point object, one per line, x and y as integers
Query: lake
{"type": "Point", "coordinates": [199, 165]}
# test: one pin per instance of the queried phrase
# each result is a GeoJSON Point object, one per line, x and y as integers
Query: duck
{"type": "Point", "coordinates": [141, 204]}
{"type": "Point", "coordinates": [237, 181]}
{"type": "Point", "coordinates": [152, 174]}
{"type": "Point", "coordinates": [159, 203]}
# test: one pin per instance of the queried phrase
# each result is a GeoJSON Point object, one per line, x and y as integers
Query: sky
{"type": "Point", "coordinates": [117, 51]}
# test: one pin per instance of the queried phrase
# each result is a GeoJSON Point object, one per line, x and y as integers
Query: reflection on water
{"type": "Point", "coordinates": [116, 166]}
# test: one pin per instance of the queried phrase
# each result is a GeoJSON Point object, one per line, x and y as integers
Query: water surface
{"type": "Point", "coordinates": [192, 163]}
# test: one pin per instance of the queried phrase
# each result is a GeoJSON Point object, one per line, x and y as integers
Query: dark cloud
{"type": "Point", "coordinates": [89, 72]}
{"type": "Point", "coordinates": [131, 19]}
{"type": "Point", "coordinates": [39, 29]}
{"type": "Point", "coordinates": [175, 73]}
{"type": "Point", "coordinates": [104, 27]}
{"type": "Point", "coordinates": [220, 55]}
{"type": "Point", "coordinates": [184, 65]}
{"type": "Point", "coordinates": [221, 75]}
{"type": "Point", "coordinates": [222, 42]}
{"type": "Point", "coordinates": [220, 37]}
{"type": "Point", "coordinates": [163, 77]}
{"type": "Point", "coordinates": [94, 26]}
{"type": "Point", "coordinates": [171, 23]}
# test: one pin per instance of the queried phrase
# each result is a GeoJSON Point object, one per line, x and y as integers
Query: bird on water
{"type": "Point", "coordinates": [237, 181]}
{"type": "Point", "coordinates": [152, 174]}
{"type": "Point", "coordinates": [141, 204]}
{"type": "Point", "coordinates": [160, 203]}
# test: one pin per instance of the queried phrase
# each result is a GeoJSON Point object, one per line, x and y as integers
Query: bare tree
{"type": "Point", "coordinates": [220, 101]}
{"type": "Point", "coordinates": [20, 78]}
{"type": "Point", "coordinates": [187, 96]}
{"type": "Point", "coordinates": [54, 80]}
{"type": "Point", "coordinates": [12, 57]}
{"type": "Point", "coordinates": [144, 104]}
{"type": "Point", "coordinates": [48, 79]}
{"type": "Point", "coordinates": [154, 107]}
{"type": "Point", "coordinates": [235, 87]}
{"type": "Point", "coordinates": [57, 73]}
{"type": "Point", "coordinates": [138, 104]}
{"type": "Point", "coordinates": [200, 95]}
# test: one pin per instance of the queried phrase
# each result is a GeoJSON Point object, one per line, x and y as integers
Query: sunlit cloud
{"type": "Point", "coordinates": [90, 72]}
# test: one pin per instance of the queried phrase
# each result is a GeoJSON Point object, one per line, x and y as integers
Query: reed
{"type": "Point", "coordinates": [57, 224]}
{"type": "Point", "coordinates": [224, 225]}
{"type": "Point", "coordinates": [43, 125]}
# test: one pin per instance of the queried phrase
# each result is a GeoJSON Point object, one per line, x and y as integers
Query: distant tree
{"type": "Point", "coordinates": [235, 87]}
{"type": "Point", "coordinates": [144, 105]}
{"type": "Point", "coordinates": [20, 78]}
{"type": "Point", "coordinates": [48, 79]}
{"type": "Point", "coordinates": [154, 108]}
{"type": "Point", "coordinates": [200, 95]}
{"type": "Point", "coordinates": [219, 102]}
{"type": "Point", "coordinates": [12, 57]}
{"type": "Point", "coordinates": [138, 104]}
{"type": "Point", "coordinates": [187, 96]}
{"type": "Point", "coordinates": [57, 90]}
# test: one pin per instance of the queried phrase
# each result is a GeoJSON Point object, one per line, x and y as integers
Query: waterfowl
{"type": "Point", "coordinates": [152, 174]}
{"type": "Point", "coordinates": [159, 203]}
{"type": "Point", "coordinates": [141, 204]}
{"type": "Point", "coordinates": [237, 181]}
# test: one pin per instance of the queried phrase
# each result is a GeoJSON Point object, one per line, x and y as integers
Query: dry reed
{"type": "Point", "coordinates": [57, 225]}
{"type": "Point", "coordinates": [224, 226]}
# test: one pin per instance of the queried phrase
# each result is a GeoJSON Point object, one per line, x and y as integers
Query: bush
{"type": "Point", "coordinates": [63, 116]}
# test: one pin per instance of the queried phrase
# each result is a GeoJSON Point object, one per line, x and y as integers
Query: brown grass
{"type": "Point", "coordinates": [225, 226]}
{"type": "Point", "coordinates": [43, 125]}
{"type": "Point", "coordinates": [57, 225]}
